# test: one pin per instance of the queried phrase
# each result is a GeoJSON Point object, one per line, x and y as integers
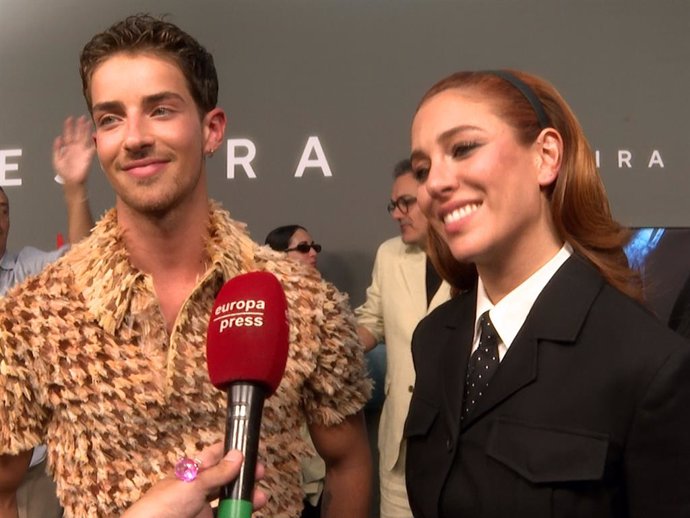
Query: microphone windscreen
{"type": "Point", "coordinates": [248, 332]}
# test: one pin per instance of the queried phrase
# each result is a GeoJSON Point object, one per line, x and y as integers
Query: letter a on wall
{"type": "Point", "coordinates": [319, 160]}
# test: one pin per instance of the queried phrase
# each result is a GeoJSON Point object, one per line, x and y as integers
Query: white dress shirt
{"type": "Point", "coordinates": [511, 311]}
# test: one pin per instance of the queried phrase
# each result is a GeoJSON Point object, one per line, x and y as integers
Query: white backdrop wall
{"type": "Point", "coordinates": [350, 73]}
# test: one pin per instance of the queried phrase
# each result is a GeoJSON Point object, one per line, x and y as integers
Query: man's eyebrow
{"type": "Point", "coordinates": [162, 96]}
{"type": "Point", "coordinates": [109, 106]}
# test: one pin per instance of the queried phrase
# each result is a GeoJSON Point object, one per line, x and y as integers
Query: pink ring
{"type": "Point", "coordinates": [187, 469]}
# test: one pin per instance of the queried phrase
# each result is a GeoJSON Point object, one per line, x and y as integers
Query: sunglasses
{"type": "Point", "coordinates": [303, 248]}
{"type": "Point", "coordinates": [403, 204]}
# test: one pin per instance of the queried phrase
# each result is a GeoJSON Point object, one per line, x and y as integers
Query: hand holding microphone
{"type": "Point", "coordinates": [246, 349]}
{"type": "Point", "coordinates": [172, 497]}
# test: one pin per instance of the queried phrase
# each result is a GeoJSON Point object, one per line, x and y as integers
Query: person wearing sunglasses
{"type": "Point", "coordinates": [296, 242]}
{"type": "Point", "coordinates": [404, 288]}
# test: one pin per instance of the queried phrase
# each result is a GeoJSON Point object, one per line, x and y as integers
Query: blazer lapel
{"type": "Point", "coordinates": [457, 336]}
{"type": "Point", "coordinates": [442, 294]}
{"type": "Point", "coordinates": [557, 315]}
{"type": "Point", "coordinates": [413, 273]}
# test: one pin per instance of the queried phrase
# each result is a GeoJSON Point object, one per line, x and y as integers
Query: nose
{"type": "Point", "coordinates": [312, 257]}
{"type": "Point", "coordinates": [441, 180]}
{"type": "Point", "coordinates": [138, 135]}
{"type": "Point", "coordinates": [397, 214]}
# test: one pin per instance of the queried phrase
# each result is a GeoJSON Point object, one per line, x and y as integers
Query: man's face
{"type": "Point", "coordinates": [150, 137]}
{"type": "Point", "coordinates": [413, 225]}
{"type": "Point", "coordinates": [4, 222]}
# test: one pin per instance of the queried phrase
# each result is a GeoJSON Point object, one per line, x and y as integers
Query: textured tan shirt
{"type": "Point", "coordinates": [87, 366]}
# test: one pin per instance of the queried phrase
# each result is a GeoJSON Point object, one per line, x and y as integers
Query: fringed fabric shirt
{"type": "Point", "coordinates": [87, 366]}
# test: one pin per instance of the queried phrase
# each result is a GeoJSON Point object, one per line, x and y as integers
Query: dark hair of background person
{"type": "Point", "coordinates": [144, 33]}
{"type": "Point", "coordinates": [401, 168]}
{"type": "Point", "coordinates": [279, 238]}
{"type": "Point", "coordinates": [579, 206]}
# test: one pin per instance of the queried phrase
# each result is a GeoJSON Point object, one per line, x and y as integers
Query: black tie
{"type": "Point", "coordinates": [483, 364]}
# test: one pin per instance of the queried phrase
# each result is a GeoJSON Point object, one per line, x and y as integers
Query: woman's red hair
{"type": "Point", "coordinates": [579, 205]}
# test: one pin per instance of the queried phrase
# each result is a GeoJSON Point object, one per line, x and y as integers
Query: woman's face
{"type": "Point", "coordinates": [481, 189]}
{"type": "Point", "coordinates": [302, 237]}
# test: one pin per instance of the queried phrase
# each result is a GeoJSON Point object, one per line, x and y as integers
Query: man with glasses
{"type": "Point", "coordinates": [404, 288]}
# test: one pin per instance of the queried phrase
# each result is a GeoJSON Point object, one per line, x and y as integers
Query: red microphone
{"type": "Point", "coordinates": [246, 353]}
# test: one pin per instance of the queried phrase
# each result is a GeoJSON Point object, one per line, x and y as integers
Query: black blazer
{"type": "Point", "coordinates": [587, 416]}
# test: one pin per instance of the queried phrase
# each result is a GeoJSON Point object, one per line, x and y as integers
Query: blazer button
{"type": "Point", "coordinates": [449, 445]}
{"type": "Point", "coordinates": [411, 388]}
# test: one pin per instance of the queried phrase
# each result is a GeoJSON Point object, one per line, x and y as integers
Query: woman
{"type": "Point", "coordinates": [299, 245]}
{"type": "Point", "coordinates": [296, 242]}
{"type": "Point", "coordinates": [569, 399]}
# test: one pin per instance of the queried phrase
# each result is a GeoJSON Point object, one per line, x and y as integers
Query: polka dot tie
{"type": "Point", "coordinates": [483, 364]}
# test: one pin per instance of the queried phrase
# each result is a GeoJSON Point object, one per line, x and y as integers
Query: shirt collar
{"type": "Point", "coordinates": [8, 260]}
{"type": "Point", "coordinates": [102, 259]}
{"type": "Point", "coordinates": [511, 312]}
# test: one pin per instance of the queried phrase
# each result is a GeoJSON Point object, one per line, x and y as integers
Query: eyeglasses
{"type": "Point", "coordinates": [303, 248]}
{"type": "Point", "coordinates": [403, 204]}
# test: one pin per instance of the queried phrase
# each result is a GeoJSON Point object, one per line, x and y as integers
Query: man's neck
{"type": "Point", "coordinates": [171, 243]}
{"type": "Point", "coordinates": [170, 249]}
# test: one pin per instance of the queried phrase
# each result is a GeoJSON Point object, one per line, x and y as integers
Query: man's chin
{"type": "Point", "coordinates": [408, 240]}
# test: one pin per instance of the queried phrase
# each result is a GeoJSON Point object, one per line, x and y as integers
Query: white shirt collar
{"type": "Point", "coordinates": [511, 311]}
{"type": "Point", "coordinates": [8, 260]}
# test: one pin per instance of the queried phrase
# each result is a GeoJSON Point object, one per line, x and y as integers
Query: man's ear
{"type": "Point", "coordinates": [549, 147]}
{"type": "Point", "coordinates": [214, 129]}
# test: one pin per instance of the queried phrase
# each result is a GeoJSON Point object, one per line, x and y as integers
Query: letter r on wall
{"type": "Point", "coordinates": [240, 159]}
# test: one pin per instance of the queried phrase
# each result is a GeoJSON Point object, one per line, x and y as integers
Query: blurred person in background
{"type": "Point", "coordinates": [404, 288]}
{"type": "Point", "coordinates": [72, 154]}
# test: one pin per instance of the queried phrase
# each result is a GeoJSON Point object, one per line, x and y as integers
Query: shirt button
{"type": "Point", "coordinates": [411, 388]}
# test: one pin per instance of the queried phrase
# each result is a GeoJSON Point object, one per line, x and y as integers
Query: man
{"type": "Point", "coordinates": [104, 353]}
{"type": "Point", "coordinates": [15, 266]}
{"type": "Point", "coordinates": [405, 287]}
{"type": "Point", "coordinates": [72, 156]}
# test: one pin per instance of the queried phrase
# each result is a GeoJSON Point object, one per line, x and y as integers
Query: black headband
{"type": "Point", "coordinates": [527, 92]}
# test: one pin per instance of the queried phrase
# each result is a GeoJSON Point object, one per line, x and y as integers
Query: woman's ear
{"type": "Point", "coordinates": [549, 147]}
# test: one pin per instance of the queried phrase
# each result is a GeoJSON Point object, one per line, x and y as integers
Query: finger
{"type": "Point", "coordinates": [57, 144]}
{"type": "Point", "coordinates": [259, 499]}
{"type": "Point", "coordinates": [211, 455]}
{"type": "Point", "coordinates": [84, 130]}
{"type": "Point", "coordinates": [68, 129]}
{"type": "Point", "coordinates": [260, 471]}
{"type": "Point", "coordinates": [225, 471]}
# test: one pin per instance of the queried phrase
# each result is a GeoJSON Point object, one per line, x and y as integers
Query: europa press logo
{"type": "Point", "coordinates": [247, 329]}
{"type": "Point", "coordinates": [239, 313]}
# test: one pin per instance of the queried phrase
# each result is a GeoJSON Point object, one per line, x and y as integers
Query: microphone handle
{"type": "Point", "coordinates": [242, 430]}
